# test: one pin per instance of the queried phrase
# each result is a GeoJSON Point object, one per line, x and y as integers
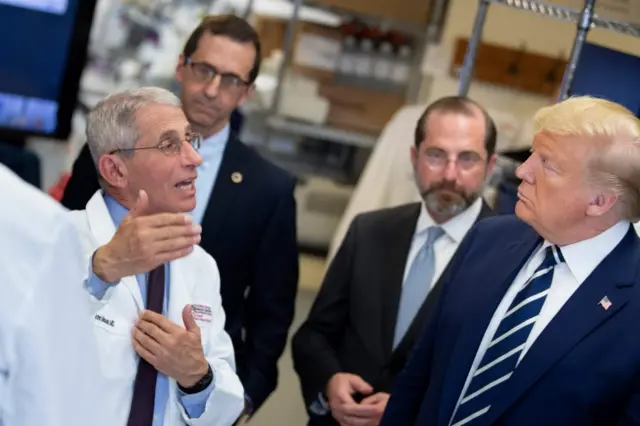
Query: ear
{"type": "Point", "coordinates": [491, 164]}
{"type": "Point", "coordinates": [113, 170]}
{"type": "Point", "coordinates": [247, 94]}
{"type": "Point", "coordinates": [414, 156]}
{"type": "Point", "coordinates": [180, 68]}
{"type": "Point", "coordinates": [601, 203]}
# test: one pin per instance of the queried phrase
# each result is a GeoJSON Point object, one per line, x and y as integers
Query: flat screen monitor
{"type": "Point", "coordinates": [43, 51]}
{"type": "Point", "coordinates": [609, 74]}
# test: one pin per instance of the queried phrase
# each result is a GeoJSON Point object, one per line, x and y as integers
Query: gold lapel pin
{"type": "Point", "coordinates": [236, 177]}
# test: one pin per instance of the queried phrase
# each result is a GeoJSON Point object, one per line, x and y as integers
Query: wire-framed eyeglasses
{"type": "Point", "coordinates": [169, 146]}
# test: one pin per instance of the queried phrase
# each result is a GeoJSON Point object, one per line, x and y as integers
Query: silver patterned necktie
{"type": "Point", "coordinates": [417, 284]}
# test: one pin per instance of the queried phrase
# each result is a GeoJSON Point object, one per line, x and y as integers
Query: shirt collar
{"type": "Point", "coordinates": [584, 256]}
{"type": "Point", "coordinates": [456, 227]}
{"type": "Point", "coordinates": [116, 210]}
{"type": "Point", "coordinates": [215, 144]}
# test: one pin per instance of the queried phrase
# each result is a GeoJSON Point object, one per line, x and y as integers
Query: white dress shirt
{"type": "Point", "coordinates": [211, 151]}
{"type": "Point", "coordinates": [48, 358]}
{"type": "Point", "coordinates": [445, 247]}
{"type": "Point", "coordinates": [580, 260]}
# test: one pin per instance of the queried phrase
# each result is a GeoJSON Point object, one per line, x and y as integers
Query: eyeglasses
{"type": "Point", "coordinates": [205, 73]}
{"type": "Point", "coordinates": [438, 159]}
{"type": "Point", "coordinates": [170, 146]}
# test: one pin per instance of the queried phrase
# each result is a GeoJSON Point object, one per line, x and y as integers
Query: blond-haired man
{"type": "Point", "coordinates": [536, 323]}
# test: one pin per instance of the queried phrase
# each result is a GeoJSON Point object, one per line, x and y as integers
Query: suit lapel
{"type": "Point", "coordinates": [429, 304]}
{"type": "Point", "coordinates": [581, 314]}
{"type": "Point", "coordinates": [224, 188]}
{"type": "Point", "coordinates": [401, 233]}
{"type": "Point", "coordinates": [478, 311]}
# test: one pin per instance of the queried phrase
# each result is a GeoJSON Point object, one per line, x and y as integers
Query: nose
{"type": "Point", "coordinates": [191, 156]}
{"type": "Point", "coordinates": [213, 87]}
{"type": "Point", "coordinates": [451, 171]}
{"type": "Point", "coordinates": [525, 173]}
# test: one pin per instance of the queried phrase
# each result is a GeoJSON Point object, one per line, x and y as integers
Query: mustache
{"type": "Point", "coordinates": [448, 186]}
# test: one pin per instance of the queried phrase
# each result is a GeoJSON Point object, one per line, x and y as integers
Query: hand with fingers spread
{"type": "Point", "coordinates": [143, 241]}
{"type": "Point", "coordinates": [340, 391]}
{"type": "Point", "coordinates": [173, 350]}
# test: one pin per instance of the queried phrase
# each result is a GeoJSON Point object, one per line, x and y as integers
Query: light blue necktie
{"type": "Point", "coordinates": [416, 287]}
{"type": "Point", "coordinates": [501, 358]}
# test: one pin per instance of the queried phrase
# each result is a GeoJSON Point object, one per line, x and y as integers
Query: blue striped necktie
{"type": "Point", "coordinates": [502, 355]}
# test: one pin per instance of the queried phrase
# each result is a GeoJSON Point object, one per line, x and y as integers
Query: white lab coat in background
{"type": "Point", "coordinates": [194, 279]}
{"type": "Point", "coordinates": [49, 373]}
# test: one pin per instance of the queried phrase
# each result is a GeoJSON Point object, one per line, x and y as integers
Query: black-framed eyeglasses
{"type": "Point", "coordinates": [205, 73]}
{"type": "Point", "coordinates": [170, 146]}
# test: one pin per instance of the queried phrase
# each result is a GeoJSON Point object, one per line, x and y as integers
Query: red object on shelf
{"type": "Point", "coordinates": [57, 190]}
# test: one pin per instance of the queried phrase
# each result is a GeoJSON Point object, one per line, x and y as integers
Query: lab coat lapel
{"type": "Point", "coordinates": [180, 289]}
{"type": "Point", "coordinates": [103, 229]}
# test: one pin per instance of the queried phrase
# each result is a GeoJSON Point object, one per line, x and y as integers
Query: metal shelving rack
{"type": "Point", "coordinates": [424, 36]}
{"type": "Point", "coordinates": [585, 20]}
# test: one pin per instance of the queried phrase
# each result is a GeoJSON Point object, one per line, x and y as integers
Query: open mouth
{"type": "Point", "coordinates": [186, 185]}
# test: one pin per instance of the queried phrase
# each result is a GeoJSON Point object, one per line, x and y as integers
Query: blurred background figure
{"type": "Point", "coordinates": [49, 366]}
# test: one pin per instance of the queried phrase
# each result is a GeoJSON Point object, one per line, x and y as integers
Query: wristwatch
{"type": "Point", "coordinates": [201, 385]}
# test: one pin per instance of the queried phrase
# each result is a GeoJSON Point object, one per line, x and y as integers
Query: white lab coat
{"type": "Point", "coordinates": [49, 373]}
{"type": "Point", "coordinates": [194, 280]}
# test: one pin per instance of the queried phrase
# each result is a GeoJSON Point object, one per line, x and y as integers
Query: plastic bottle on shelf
{"type": "Point", "coordinates": [403, 60]}
{"type": "Point", "coordinates": [349, 49]}
{"type": "Point", "coordinates": [366, 51]}
{"type": "Point", "coordinates": [384, 59]}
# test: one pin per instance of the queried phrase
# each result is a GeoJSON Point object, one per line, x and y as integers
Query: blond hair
{"type": "Point", "coordinates": [615, 133]}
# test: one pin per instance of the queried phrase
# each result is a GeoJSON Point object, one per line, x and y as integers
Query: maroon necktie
{"type": "Point", "coordinates": [144, 390]}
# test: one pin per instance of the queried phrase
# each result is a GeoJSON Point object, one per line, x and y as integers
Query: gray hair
{"type": "Point", "coordinates": [111, 123]}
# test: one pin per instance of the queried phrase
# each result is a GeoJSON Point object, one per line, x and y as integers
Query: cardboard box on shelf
{"type": "Point", "coordinates": [410, 11]}
{"type": "Point", "coordinates": [359, 109]}
{"type": "Point", "coordinates": [316, 47]}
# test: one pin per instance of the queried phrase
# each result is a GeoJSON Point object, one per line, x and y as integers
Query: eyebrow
{"type": "Point", "coordinates": [168, 134]}
{"type": "Point", "coordinates": [173, 133]}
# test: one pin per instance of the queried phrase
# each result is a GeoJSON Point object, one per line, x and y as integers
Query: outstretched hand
{"type": "Point", "coordinates": [144, 241]}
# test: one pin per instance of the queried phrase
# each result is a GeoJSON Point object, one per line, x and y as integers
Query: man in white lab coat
{"type": "Point", "coordinates": [157, 313]}
{"type": "Point", "coordinates": [48, 361]}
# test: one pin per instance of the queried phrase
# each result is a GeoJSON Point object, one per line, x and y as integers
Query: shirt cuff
{"type": "Point", "coordinates": [96, 286]}
{"type": "Point", "coordinates": [195, 404]}
{"type": "Point", "coordinates": [320, 406]}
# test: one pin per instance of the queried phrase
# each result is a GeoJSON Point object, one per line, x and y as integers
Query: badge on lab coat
{"type": "Point", "coordinates": [202, 314]}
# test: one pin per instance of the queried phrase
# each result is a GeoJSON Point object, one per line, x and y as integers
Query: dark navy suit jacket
{"type": "Point", "coordinates": [584, 369]}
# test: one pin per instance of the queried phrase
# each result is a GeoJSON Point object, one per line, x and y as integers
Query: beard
{"type": "Point", "coordinates": [445, 199]}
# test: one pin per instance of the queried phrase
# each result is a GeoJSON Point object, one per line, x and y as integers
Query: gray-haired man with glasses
{"type": "Point", "coordinates": [244, 203]}
{"type": "Point", "coordinates": [159, 326]}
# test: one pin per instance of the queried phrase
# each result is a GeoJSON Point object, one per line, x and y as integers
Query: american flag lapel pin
{"type": "Point", "coordinates": [605, 303]}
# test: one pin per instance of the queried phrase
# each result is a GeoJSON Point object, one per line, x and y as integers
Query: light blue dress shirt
{"type": "Point", "coordinates": [211, 152]}
{"type": "Point", "coordinates": [194, 404]}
